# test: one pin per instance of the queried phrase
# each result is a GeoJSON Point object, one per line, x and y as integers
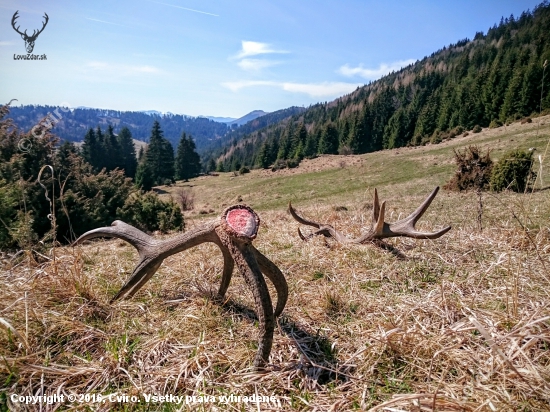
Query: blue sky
{"type": "Point", "coordinates": [224, 58]}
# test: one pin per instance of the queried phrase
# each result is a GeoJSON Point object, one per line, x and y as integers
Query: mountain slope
{"type": "Point", "coordinates": [490, 80]}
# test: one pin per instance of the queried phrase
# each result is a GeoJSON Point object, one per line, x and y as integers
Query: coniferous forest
{"type": "Point", "coordinates": [492, 79]}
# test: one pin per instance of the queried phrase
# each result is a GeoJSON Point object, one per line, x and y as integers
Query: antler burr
{"type": "Point", "coordinates": [233, 232]}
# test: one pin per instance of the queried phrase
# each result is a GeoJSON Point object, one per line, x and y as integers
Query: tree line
{"type": "Point", "coordinates": [489, 81]}
{"type": "Point", "coordinates": [156, 165]}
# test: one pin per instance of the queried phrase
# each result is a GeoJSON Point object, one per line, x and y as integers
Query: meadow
{"type": "Point", "coordinates": [460, 323]}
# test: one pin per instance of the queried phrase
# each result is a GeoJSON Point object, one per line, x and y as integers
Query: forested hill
{"type": "Point", "coordinates": [217, 147]}
{"type": "Point", "coordinates": [492, 79]}
{"type": "Point", "coordinates": [74, 123]}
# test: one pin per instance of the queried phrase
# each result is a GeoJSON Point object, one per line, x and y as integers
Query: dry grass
{"type": "Point", "coordinates": [461, 324]}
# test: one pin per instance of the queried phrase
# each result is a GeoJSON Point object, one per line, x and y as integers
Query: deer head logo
{"type": "Point", "coordinates": [29, 40]}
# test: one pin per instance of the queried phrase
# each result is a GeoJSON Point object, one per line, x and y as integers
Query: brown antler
{"type": "Point", "coordinates": [380, 229]}
{"type": "Point", "coordinates": [233, 232]}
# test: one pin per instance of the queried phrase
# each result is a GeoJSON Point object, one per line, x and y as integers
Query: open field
{"type": "Point", "coordinates": [462, 323]}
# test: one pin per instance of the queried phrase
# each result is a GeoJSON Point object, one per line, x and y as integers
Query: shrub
{"type": "Point", "coordinates": [474, 170]}
{"type": "Point", "coordinates": [494, 124]}
{"type": "Point", "coordinates": [244, 170]}
{"type": "Point", "coordinates": [345, 151]}
{"type": "Point", "coordinates": [279, 164]}
{"type": "Point", "coordinates": [513, 171]}
{"type": "Point", "coordinates": [185, 198]}
{"type": "Point", "coordinates": [147, 212]}
{"type": "Point", "coordinates": [526, 120]}
{"type": "Point", "coordinates": [477, 128]}
{"type": "Point", "coordinates": [292, 163]}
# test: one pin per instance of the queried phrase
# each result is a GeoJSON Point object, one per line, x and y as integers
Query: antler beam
{"type": "Point", "coordinates": [233, 232]}
{"type": "Point", "coordinates": [380, 229]}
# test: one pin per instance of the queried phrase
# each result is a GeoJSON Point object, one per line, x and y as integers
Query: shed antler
{"type": "Point", "coordinates": [233, 232]}
{"type": "Point", "coordinates": [380, 229]}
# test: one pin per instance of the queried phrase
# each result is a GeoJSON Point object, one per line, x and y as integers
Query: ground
{"type": "Point", "coordinates": [460, 323]}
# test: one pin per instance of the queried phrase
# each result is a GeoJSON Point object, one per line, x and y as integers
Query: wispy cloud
{"type": "Point", "coordinates": [6, 43]}
{"type": "Point", "coordinates": [106, 22]}
{"type": "Point", "coordinates": [255, 65]}
{"type": "Point", "coordinates": [324, 89]}
{"type": "Point", "coordinates": [185, 8]}
{"type": "Point", "coordinates": [253, 48]}
{"type": "Point", "coordinates": [374, 74]}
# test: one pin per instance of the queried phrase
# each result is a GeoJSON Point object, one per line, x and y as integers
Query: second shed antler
{"type": "Point", "coordinates": [380, 229]}
{"type": "Point", "coordinates": [233, 232]}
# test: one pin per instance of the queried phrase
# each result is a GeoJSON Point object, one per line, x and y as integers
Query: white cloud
{"type": "Point", "coordinates": [324, 89]}
{"type": "Point", "coordinates": [255, 65]}
{"type": "Point", "coordinates": [374, 74]}
{"type": "Point", "coordinates": [6, 43]}
{"type": "Point", "coordinates": [253, 48]}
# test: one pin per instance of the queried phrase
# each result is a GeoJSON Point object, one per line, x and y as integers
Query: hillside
{"type": "Point", "coordinates": [74, 123]}
{"type": "Point", "coordinates": [459, 323]}
{"type": "Point", "coordinates": [492, 79]}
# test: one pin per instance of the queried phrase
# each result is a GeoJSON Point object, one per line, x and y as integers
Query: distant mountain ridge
{"type": "Point", "coordinates": [72, 125]}
{"type": "Point", "coordinates": [248, 117]}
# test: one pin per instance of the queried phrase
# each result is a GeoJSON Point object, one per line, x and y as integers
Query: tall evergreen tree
{"type": "Point", "coordinates": [329, 140]}
{"type": "Point", "coordinates": [91, 149]}
{"type": "Point", "coordinates": [159, 157]}
{"type": "Point", "coordinates": [127, 152]}
{"type": "Point", "coordinates": [187, 163]}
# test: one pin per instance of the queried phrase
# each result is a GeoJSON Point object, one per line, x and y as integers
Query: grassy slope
{"type": "Point", "coordinates": [464, 316]}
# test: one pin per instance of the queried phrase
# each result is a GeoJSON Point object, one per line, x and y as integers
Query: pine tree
{"type": "Point", "coordinates": [159, 156]}
{"type": "Point", "coordinates": [187, 163]}
{"type": "Point", "coordinates": [127, 152]}
{"type": "Point", "coordinates": [329, 140]}
{"type": "Point", "coordinates": [144, 177]}
{"type": "Point", "coordinates": [211, 165]}
{"type": "Point", "coordinates": [112, 151]}
{"type": "Point", "coordinates": [263, 156]}
{"type": "Point", "coordinates": [90, 148]}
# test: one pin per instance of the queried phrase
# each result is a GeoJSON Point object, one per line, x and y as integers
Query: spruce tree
{"type": "Point", "coordinates": [127, 152]}
{"type": "Point", "coordinates": [329, 140]}
{"type": "Point", "coordinates": [159, 157]}
{"type": "Point", "coordinates": [90, 148]}
{"type": "Point", "coordinates": [187, 164]}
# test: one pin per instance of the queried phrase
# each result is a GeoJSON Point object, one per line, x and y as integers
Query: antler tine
{"type": "Point", "coordinates": [13, 19]}
{"type": "Point", "coordinates": [276, 277]}
{"type": "Point", "coordinates": [121, 230]}
{"type": "Point", "coordinates": [151, 251]}
{"type": "Point", "coordinates": [375, 208]}
{"type": "Point", "coordinates": [300, 219]}
{"type": "Point", "coordinates": [417, 214]}
{"type": "Point", "coordinates": [43, 25]}
{"type": "Point", "coordinates": [405, 227]}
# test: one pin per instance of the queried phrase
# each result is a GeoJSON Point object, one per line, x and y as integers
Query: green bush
{"type": "Point", "coordinates": [147, 212]}
{"type": "Point", "coordinates": [477, 128]}
{"type": "Point", "coordinates": [244, 170]}
{"type": "Point", "coordinates": [513, 171]}
{"type": "Point", "coordinates": [494, 124]}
